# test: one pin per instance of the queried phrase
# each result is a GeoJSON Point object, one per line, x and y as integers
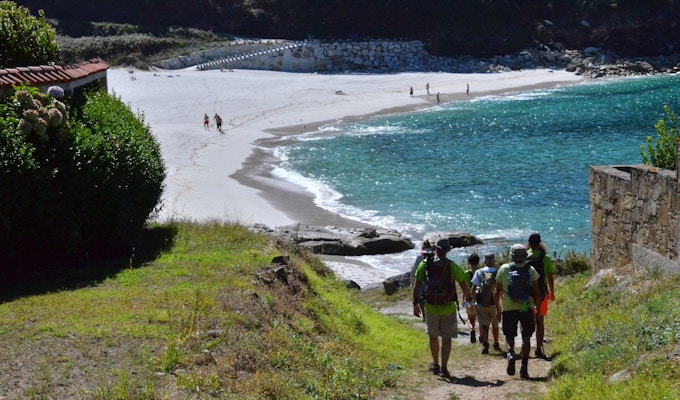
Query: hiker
{"type": "Point", "coordinates": [538, 254]}
{"type": "Point", "coordinates": [439, 275]}
{"type": "Point", "coordinates": [517, 292]}
{"type": "Point", "coordinates": [484, 290]}
{"type": "Point", "coordinates": [472, 266]}
{"type": "Point", "coordinates": [426, 248]}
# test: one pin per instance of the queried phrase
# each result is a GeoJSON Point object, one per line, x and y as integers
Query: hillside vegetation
{"type": "Point", "coordinates": [462, 27]}
{"type": "Point", "coordinates": [214, 311]}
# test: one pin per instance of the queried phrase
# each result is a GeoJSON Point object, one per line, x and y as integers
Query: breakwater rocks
{"type": "Point", "coordinates": [399, 55]}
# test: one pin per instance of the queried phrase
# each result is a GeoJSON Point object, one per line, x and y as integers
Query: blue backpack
{"type": "Point", "coordinates": [519, 283]}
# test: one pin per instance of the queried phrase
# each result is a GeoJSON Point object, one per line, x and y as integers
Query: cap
{"type": "Point", "coordinates": [534, 239]}
{"type": "Point", "coordinates": [518, 253]}
{"type": "Point", "coordinates": [443, 244]}
{"type": "Point", "coordinates": [489, 258]}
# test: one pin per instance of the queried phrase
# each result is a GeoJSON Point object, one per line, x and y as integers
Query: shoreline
{"type": "Point", "coordinates": [228, 175]}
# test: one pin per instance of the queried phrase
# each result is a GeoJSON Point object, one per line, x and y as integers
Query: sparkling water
{"type": "Point", "coordinates": [496, 167]}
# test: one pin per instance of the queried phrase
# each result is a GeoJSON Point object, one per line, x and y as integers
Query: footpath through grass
{"type": "Point", "coordinates": [201, 312]}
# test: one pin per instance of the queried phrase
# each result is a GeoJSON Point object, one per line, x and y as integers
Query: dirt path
{"type": "Point", "coordinates": [476, 376]}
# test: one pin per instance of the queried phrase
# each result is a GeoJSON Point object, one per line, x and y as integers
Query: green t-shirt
{"type": "Point", "coordinates": [548, 265]}
{"type": "Point", "coordinates": [502, 277]}
{"type": "Point", "coordinates": [457, 274]}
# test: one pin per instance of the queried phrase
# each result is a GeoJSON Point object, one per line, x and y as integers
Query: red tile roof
{"type": "Point", "coordinates": [50, 74]}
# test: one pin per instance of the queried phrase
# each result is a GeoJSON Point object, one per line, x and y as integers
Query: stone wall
{"type": "Point", "coordinates": [310, 56]}
{"type": "Point", "coordinates": [634, 212]}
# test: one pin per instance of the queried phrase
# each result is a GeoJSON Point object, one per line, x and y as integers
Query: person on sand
{"type": "Point", "coordinates": [218, 122]}
{"type": "Point", "coordinates": [467, 89]}
{"type": "Point", "coordinates": [437, 97]}
{"type": "Point", "coordinates": [206, 121]}
{"type": "Point", "coordinates": [538, 253]}
{"type": "Point", "coordinates": [427, 88]}
{"type": "Point", "coordinates": [517, 291]}
{"type": "Point", "coordinates": [484, 290]}
{"type": "Point", "coordinates": [426, 249]}
{"type": "Point", "coordinates": [411, 92]}
{"type": "Point", "coordinates": [471, 310]}
{"type": "Point", "coordinates": [439, 275]}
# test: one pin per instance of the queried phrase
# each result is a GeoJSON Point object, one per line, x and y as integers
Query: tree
{"type": "Point", "coordinates": [662, 153]}
{"type": "Point", "coordinates": [26, 40]}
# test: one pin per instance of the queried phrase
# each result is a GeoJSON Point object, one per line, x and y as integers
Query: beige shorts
{"type": "Point", "coordinates": [487, 316]}
{"type": "Point", "coordinates": [445, 326]}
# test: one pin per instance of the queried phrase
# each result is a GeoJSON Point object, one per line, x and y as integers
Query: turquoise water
{"type": "Point", "coordinates": [497, 167]}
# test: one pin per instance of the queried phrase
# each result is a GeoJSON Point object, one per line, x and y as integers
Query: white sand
{"type": "Point", "coordinates": [200, 163]}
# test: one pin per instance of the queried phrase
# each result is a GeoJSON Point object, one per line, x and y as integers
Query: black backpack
{"type": "Point", "coordinates": [519, 283]}
{"type": "Point", "coordinates": [485, 290]}
{"type": "Point", "coordinates": [537, 263]}
{"type": "Point", "coordinates": [439, 287]}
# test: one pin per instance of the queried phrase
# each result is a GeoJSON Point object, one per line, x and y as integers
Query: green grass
{"type": "Point", "coordinates": [206, 318]}
{"type": "Point", "coordinates": [630, 327]}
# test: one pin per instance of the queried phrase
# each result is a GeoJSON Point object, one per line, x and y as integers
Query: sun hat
{"type": "Point", "coordinates": [518, 253]}
{"type": "Point", "coordinates": [489, 258]}
{"type": "Point", "coordinates": [443, 244]}
{"type": "Point", "coordinates": [534, 239]}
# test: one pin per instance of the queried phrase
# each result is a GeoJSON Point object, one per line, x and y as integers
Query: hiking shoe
{"type": "Point", "coordinates": [485, 349]}
{"type": "Point", "coordinates": [539, 353]}
{"type": "Point", "coordinates": [445, 373]}
{"type": "Point", "coordinates": [497, 347]}
{"type": "Point", "coordinates": [434, 368]}
{"type": "Point", "coordinates": [511, 363]}
{"type": "Point", "coordinates": [524, 372]}
{"type": "Point", "coordinates": [473, 336]}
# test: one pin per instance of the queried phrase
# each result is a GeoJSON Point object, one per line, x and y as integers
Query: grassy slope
{"type": "Point", "coordinates": [208, 318]}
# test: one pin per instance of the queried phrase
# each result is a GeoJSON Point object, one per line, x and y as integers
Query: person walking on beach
{"type": "Point", "coordinates": [206, 121]}
{"type": "Point", "coordinates": [546, 285]}
{"type": "Point", "coordinates": [467, 89]}
{"type": "Point", "coordinates": [426, 249]}
{"type": "Point", "coordinates": [439, 275]}
{"type": "Point", "coordinates": [437, 97]}
{"type": "Point", "coordinates": [427, 88]}
{"type": "Point", "coordinates": [218, 122]}
{"type": "Point", "coordinates": [472, 267]}
{"type": "Point", "coordinates": [411, 92]}
{"type": "Point", "coordinates": [484, 290]}
{"type": "Point", "coordinates": [517, 291]}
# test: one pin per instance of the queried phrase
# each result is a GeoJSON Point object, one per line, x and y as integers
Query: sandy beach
{"type": "Point", "coordinates": [226, 175]}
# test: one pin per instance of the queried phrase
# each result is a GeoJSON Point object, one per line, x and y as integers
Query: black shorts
{"type": "Point", "coordinates": [514, 317]}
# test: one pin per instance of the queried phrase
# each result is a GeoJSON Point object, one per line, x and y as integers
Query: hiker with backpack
{"type": "Point", "coordinates": [439, 276]}
{"type": "Point", "coordinates": [546, 286]}
{"type": "Point", "coordinates": [426, 249]}
{"type": "Point", "coordinates": [484, 290]}
{"type": "Point", "coordinates": [517, 292]}
{"type": "Point", "coordinates": [472, 266]}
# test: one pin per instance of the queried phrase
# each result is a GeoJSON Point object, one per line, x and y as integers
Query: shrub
{"type": "Point", "coordinates": [120, 172]}
{"type": "Point", "coordinates": [26, 40]}
{"type": "Point", "coordinates": [73, 185]}
{"type": "Point", "coordinates": [662, 153]}
{"type": "Point", "coordinates": [572, 264]}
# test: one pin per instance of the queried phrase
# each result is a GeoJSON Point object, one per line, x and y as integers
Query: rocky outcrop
{"type": "Point", "coordinates": [345, 242]}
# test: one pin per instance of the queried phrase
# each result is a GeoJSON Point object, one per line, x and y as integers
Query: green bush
{"type": "Point", "coordinates": [662, 153]}
{"type": "Point", "coordinates": [572, 264]}
{"type": "Point", "coordinates": [73, 185]}
{"type": "Point", "coordinates": [120, 172]}
{"type": "Point", "coordinates": [26, 40]}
